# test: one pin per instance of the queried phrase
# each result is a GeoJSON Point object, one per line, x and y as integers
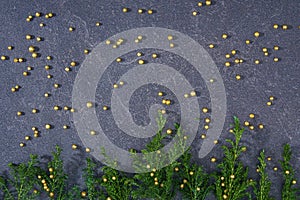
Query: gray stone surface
{"type": "Point", "coordinates": [239, 19]}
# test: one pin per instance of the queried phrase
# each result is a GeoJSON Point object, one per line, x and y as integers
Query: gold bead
{"type": "Point", "coordinates": [141, 62]}
{"type": "Point", "coordinates": [48, 126]}
{"type": "Point", "coordinates": [88, 150]}
{"type": "Point", "coordinates": [92, 132]}
{"type": "Point", "coordinates": [115, 85]}
{"type": "Point", "coordinates": [266, 54]}
{"type": "Point", "coordinates": [160, 94]}
{"type": "Point", "coordinates": [119, 59]}
{"type": "Point", "coordinates": [207, 120]}
{"type": "Point", "coordinates": [42, 25]}
{"type": "Point", "coordinates": [86, 51]}
{"type": "Point", "coordinates": [172, 45]}
{"type": "Point", "coordinates": [194, 13]}
{"type": "Point", "coordinates": [248, 42]}
{"type": "Point", "coordinates": [170, 37]}
{"type": "Point", "coordinates": [19, 113]}
{"type": "Point", "coordinates": [238, 77]}
{"type": "Point", "coordinates": [163, 111]}
{"type": "Point", "coordinates": [73, 63]}
{"type": "Point", "coordinates": [140, 37]}
{"type": "Point", "coordinates": [176, 169]}
{"type": "Point", "coordinates": [121, 82]}
{"type": "Point", "coordinates": [105, 108]}
{"type": "Point", "coordinates": [3, 57]}
{"type": "Point", "coordinates": [246, 123]}
{"type": "Point", "coordinates": [182, 186]}
{"type": "Point", "coordinates": [72, 110]}
{"type": "Point", "coordinates": [275, 59]}
{"type": "Point", "coordinates": [276, 48]}
{"type": "Point", "coordinates": [193, 93]}
{"type": "Point", "coordinates": [28, 37]}
{"type": "Point", "coordinates": [56, 85]}
{"type": "Point", "coordinates": [216, 141]}
{"type": "Point", "coordinates": [284, 27]}
{"type": "Point", "coordinates": [51, 176]}
{"type": "Point", "coordinates": [140, 11]}
{"type": "Point", "coordinates": [257, 62]}
{"type": "Point", "coordinates": [27, 137]}
{"type": "Point", "coordinates": [154, 55]}
{"type": "Point", "coordinates": [34, 55]}
{"type": "Point", "coordinates": [294, 182]}
{"type": "Point", "coordinates": [98, 24]}
{"type": "Point", "coordinates": [74, 146]}
{"type": "Point", "coordinates": [191, 173]}
{"type": "Point", "coordinates": [232, 176]}
{"type": "Point", "coordinates": [34, 110]}
{"type": "Point", "coordinates": [224, 36]}
{"type": "Point", "coordinates": [269, 158]}
{"type": "Point", "coordinates": [39, 39]}
{"type": "Point", "coordinates": [213, 159]}
{"type": "Point", "coordinates": [65, 127]}
{"type": "Point", "coordinates": [206, 127]}
{"type": "Point", "coordinates": [264, 49]}
{"type": "Point", "coordinates": [186, 95]}
{"type": "Point", "coordinates": [251, 115]}
{"type": "Point", "coordinates": [208, 2]}
{"type": "Point", "coordinates": [38, 14]}
{"type": "Point", "coordinates": [56, 108]}
{"type": "Point", "coordinates": [108, 42]}
{"type": "Point", "coordinates": [185, 181]}
{"type": "Point", "coordinates": [204, 110]}
{"type": "Point", "coordinates": [83, 193]}
{"type": "Point", "coordinates": [269, 103]}
{"type": "Point", "coordinates": [150, 12]}
{"type": "Point", "coordinates": [203, 136]}
{"type": "Point", "coordinates": [200, 4]}
{"type": "Point", "coordinates": [271, 98]}
{"type": "Point", "coordinates": [256, 34]}
{"type": "Point", "coordinates": [237, 61]}
{"type": "Point", "coordinates": [233, 52]}
{"type": "Point", "coordinates": [275, 168]}
{"type": "Point", "coordinates": [287, 172]}
{"type": "Point", "coordinates": [275, 26]}
{"type": "Point", "coordinates": [227, 64]}
{"type": "Point", "coordinates": [139, 54]}
{"type": "Point", "coordinates": [89, 104]}
{"type": "Point", "coordinates": [169, 131]}
{"type": "Point", "coordinates": [71, 29]}
{"type": "Point", "coordinates": [51, 194]}
{"type": "Point", "coordinates": [251, 127]}
{"type": "Point", "coordinates": [22, 144]}
{"type": "Point", "coordinates": [125, 10]}
{"type": "Point", "coordinates": [211, 46]}
{"type": "Point", "coordinates": [49, 76]}
{"type": "Point", "coordinates": [227, 56]}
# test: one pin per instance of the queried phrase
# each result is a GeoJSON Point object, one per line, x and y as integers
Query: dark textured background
{"type": "Point", "coordinates": [237, 18]}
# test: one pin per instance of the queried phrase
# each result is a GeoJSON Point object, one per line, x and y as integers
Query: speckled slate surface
{"type": "Point", "coordinates": [239, 19]}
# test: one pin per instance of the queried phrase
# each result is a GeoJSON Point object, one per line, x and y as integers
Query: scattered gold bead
{"type": "Point", "coordinates": [260, 126]}
{"type": "Point", "coordinates": [211, 46]}
{"type": "Point", "coordinates": [19, 113]}
{"type": "Point", "coordinates": [140, 11]}
{"type": "Point", "coordinates": [42, 25]}
{"type": "Point", "coordinates": [232, 176]}
{"type": "Point", "coordinates": [233, 52]}
{"type": "Point", "coordinates": [160, 94]}
{"type": "Point", "coordinates": [27, 137]}
{"type": "Point", "coordinates": [224, 36]}
{"type": "Point", "coordinates": [207, 120]}
{"type": "Point", "coordinates": [176, 169]}
{"type": "Point", "coordinates": [89, 104]}
{"type": "Point", "coordinates": [56, 85]}
{"type": "Point", "coordinates": [169, 131]}
{"type": "Point", "coordinates": [49, 76]}
{"type": "Point", "coordinates": [191, 173]}
{"type": "Point", "coordinates": [256, 34]}
{"type": "Point", "coordinates": [237, 61]}
{"type": "Point", "coordinates": [22, 144]}
{"type": "Point", "coordinates": [203, 136]}
{"type": "Point", "coordinates": [13, 89]}
{"type": "Point", "coordinates": [275, 59]}
{"type": "Point", "coordinates": [216, 141]}
{"type": "Point", "coordinates": [246, 123]}
{"type": "Point", "coordinates": [172, 45]}
{"type": "Point", "coordinates": [105, 108]}
{"type": "Point", "coordinates": [74, 146]}
{"type": "Point", "coordinates": [185, 181]}
{"type": "Point", "coordinates": [266, 54]}
{"type": "Point", "coordinates": [182, 186]}
{"type": "Point", "coordinates": [193, 93]}
{"type": "Point", "coordinates": [204, 110]}
{"type": "Point", "coordinates": [72, 110]}
{"type": "Point", "coordinates": [51, 194]}
{"type": "Point", "coordinates": [28, 37]}
{"type": "Point", "coordinates": [170, 37]}
{"type": "Point", "coordinates": [125, 10]}
{"type": "Point", "coordinates": [163, 111]}
{"type": "Point", "coordinates": [139, 54]}
{"type": "Point", "coordinates": [257, 62]}
{"type": "Point", "coordinates": [121, 82]}
{"type": "Point", "coordinates": [65, 127]}
{"type": "Point", "coordinates": [194, 13]}
{"type": "Point", "coordinates": [73, 63]}
{"type": "Point", "coordinates": [86, 51]}
{"type": "Point", "coordinates": [287, 172]}
{"type": "Point", "coordinates": [51, 176]}
{"type": "Point", "coordinates": [39, 39]}
{"type": "Point", "coordinates": [275, 26]}
{"type": "Point", "coordinates": [115, 85]}
{"type": "Point", "coordinates": [34, 110]}
{"type": "Point", "coordinates": [271, 98]}
{"type": "Point", "coordinates": [227, 56]}
{"type": "Point", "coordinates": [294, 182]}
{"type": "Point", "coordinates": [83, 193]}
{"type": "Point", "coordinates": [154, 55]}
{"type": "Point", "coordinates": [119, 59]}
{"type": "Point", "coordinates": [238, 77]}
{"type": "Point", "coordinates": [200, 4]}
{"type": "Point", "coordinates": [227, 64]}
{"type": "Point", "coordinates": [251, 115]}
{"type": "Point", "coordinates": [113, 178]}
{"type": "Point", "coordinates": [206, 127]}
{"type": "Point", "coordinates": [264, 49]}
{"type": "Point", "coordinates": [34, 55]}
{"type": "Point", "coordinates": [88, 150]}
{"type": "Point", "coordinates": [198, 189]}
{"type": "Point", "coordinates": [275, 168]}
{"type": "Point", "coordinates": [276, 48]}
{"type": "Point", "coordinates": [284, 27]}
{"type": "Point", "coordinates": [208, 2]}
{"type": "Point", "coordinates": [213, 159]}
{"type": "Point", "coordinates": [71, 29]}
{"type": "Point", "coordinates": [38, 14]}
{"type": "Point", "coordinates": [108, 42]}
{"type": "Point", "coordinates": [15, 59]}
{"type": "Point", "coordinates": [186, 95]}
{"type": "Point", "coordinates": [251, 127]}
{"type": "Point", "coordinates": [269, 103]}
{"type": "Point", "coordinates": [98, 24]}
{"type": "Point", "coordinates": [269, 158]}
{"type": "Point", "coordinates": [150, 12]}
{"type": "Point", "coordinates": [67, 69]}
{"type": "Point", "coordinates": [92, 132]}
{"type": "Point", "coordinates": [141, 62]}
{"type": "Point", "coordinates": [48, 126]}
{"type": "Point", "coordinates": [248, 42]}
